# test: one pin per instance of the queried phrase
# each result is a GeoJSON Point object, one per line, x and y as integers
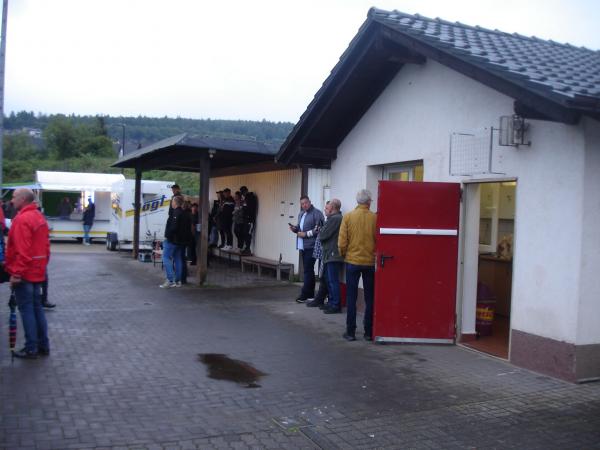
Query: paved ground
{"type": "Point", "coordinates": [125, 373]}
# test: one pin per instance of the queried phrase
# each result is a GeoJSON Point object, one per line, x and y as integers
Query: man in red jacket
{"type": "Point", "coordinates": [27, 255]}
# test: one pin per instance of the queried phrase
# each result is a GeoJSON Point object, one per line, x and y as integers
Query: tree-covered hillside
{"type": "Point", "coordinates": [91, 143]}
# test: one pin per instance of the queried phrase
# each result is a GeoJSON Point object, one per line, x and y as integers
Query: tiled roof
{"type": "Point", "coordinates": [561, 70]}
{"type": "Point", "coordinates": [547, 80]}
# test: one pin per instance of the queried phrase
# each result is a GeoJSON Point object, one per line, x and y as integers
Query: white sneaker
{"type": "Point", "coordinates": [177, 284]}
{"type": "Point", "coordinates": [167, 284]}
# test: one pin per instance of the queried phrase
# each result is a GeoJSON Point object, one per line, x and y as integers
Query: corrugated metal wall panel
{"type": "Point", "coordinates": [318, 187]}
{"type": "Point", "coordinates": [278, 195]}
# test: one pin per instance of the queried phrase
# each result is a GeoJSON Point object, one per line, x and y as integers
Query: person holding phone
{"type": "Point", "coordinates": [309, 221]}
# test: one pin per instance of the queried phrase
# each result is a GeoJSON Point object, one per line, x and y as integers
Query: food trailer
{"type": "Point", "coordinates": [57, 189]}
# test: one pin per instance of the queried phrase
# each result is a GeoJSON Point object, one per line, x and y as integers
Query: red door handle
{"type": "Point", "coordinates": [383, 257]}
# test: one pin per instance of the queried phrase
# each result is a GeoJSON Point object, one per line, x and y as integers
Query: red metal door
{"type": "Point", "coordinates": [417, 257]}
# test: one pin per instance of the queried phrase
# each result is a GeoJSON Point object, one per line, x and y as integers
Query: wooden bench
{"type": "Point", "coordinates": [227, 254]}
{"type": "Point", "coordinates": [268, 264]}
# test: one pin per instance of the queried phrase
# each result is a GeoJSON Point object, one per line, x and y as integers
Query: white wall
{"type": "Point", "coordinates": [317, 180]}
{"type": "Point", "coordinates": [588, 328]}
{"type": "Point", "coordinates": [278, 195]}
{"type": "Point", "coordinates": [413, 120]}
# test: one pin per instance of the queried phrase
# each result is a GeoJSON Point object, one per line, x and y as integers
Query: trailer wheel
{"type": "Point", "coordinates": [111, 241]}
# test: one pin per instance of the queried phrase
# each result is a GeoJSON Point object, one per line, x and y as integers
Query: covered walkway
{"type": "Point", "coordinates": [208, 156]}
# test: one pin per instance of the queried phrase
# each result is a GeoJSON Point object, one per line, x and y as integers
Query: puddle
{"type": "Point", "coordinates": [221, 367]}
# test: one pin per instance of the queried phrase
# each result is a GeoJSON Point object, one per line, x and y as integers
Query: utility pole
{"type": "Point", "coordinates": [2, 65]}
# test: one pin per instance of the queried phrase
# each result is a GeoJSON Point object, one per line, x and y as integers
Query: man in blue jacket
{"type": "Point", "coordinates": [310, 220]}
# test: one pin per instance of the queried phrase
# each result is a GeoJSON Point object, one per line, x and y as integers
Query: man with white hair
{"type": "Point", "coordinates": [356, 243]}
{"type": "Point", "coordinates": [332, 260]}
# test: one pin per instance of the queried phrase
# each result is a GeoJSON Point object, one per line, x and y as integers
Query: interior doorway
{"type": "Point", "coordinates": [494, 268]}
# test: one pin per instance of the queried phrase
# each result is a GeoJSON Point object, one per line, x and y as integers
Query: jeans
{"type": "Point", "coordinates": [332, 269]}
{"type": "Point", "coordinates": [32, 315]}
{"type": "Point", "coordinates": [308, 287]}
{"type": "Point", "coordinates": [86, 233]}
{"type": "Point", "coordinates": [172, 256]}
{"type": "Point", "coordinates": [353, 273]}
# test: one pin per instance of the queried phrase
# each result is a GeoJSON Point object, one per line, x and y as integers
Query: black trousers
{"type": "Point", "coordinates": [226, 234]}
{"type": "Point", "coordinates": [249, 232]}
{"type": "Point", "coordinates": [241, 232]}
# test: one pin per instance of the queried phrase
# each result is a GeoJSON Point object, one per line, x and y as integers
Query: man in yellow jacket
{"type": "Point", "coordinates": [357, 245]}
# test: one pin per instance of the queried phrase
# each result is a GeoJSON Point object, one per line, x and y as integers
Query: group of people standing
{"type": "Point", "coordinates": [233, 215]}
{"type": "Point", "coordinates": [230, 214]}
{"type": "Point", "coordinates": [333, 240]}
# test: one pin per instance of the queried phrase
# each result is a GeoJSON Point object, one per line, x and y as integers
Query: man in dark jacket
{"type": "Point", "coordinates": [178, 234]}
{"type": "Point", "coordinates": [251, 209]}
{"type": "Point", "coordinates": [309, 221]}
{"type": "Point", "coordinates": [332, 260]}
{"type": "Point", "coordinates": [88, 221]}
{"type": "Point", "coordinates": [27, 255]}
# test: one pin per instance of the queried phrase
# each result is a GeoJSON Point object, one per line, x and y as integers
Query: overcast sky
{"type": "Point", "coordinates": [226, 59]}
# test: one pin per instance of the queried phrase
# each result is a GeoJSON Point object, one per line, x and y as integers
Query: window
{"type": "Point", "coordinates": [404, 172]}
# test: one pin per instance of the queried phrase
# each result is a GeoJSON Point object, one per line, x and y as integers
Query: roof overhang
{"type": "Point", "coordinates": [182, 153]}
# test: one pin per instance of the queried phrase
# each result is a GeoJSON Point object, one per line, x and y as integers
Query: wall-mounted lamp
{"type": "Point", "coordinates": [211, 153]}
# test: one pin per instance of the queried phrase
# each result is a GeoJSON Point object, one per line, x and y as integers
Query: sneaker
{"type": "Point", "coordinates": [301, 299]}
{"type": "Point", "coordinates": [167, 284]}
{"type": "Point", "coordinates": [25, 354]}
{"type": "Point", "coordinates": [330, 310]}
{"type": "Point", "coordinates": [44, 351]}
{"type": "Point", "coordinates": [177, 284]}
{"type": "Point", "coordinates": [48, 305]}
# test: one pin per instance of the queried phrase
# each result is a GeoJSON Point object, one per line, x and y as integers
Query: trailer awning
{"type": "Point", "coordinates": [77, 182]}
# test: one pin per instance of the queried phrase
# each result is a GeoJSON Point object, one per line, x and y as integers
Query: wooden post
{"type": "Point", "coordinates": [303, 191]}
{"type": "Point", "coordinates": [136, 212]}
{"type": "Point", "coordinates": [203, 210]}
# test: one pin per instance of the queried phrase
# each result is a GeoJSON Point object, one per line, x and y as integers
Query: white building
{"type": "Point", "coordinates": [416, 99]}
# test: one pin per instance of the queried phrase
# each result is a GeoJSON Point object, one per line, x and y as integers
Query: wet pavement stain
{"type": "Point", "coordinates": [221, 367]}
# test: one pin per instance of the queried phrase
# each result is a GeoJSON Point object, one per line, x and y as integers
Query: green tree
{"type": "Point", "coordinates": [19, 146]}
{"type": "Point", "coordinates": [61, 138]}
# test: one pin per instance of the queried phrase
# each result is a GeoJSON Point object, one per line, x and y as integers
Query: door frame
{"type": "Point", "coordinates": [461, 272]}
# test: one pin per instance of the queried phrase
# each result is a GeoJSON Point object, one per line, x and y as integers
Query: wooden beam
{"type": "Point", "coordinates": [202, 245]}
{"type": "Point", "coordinates": [137, 206]}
